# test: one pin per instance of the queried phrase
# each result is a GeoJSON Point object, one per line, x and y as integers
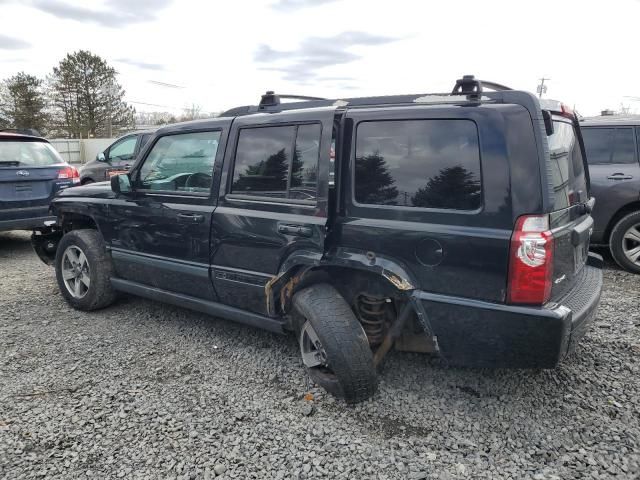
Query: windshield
{"type": "Point", "coordinates": [27, 154]}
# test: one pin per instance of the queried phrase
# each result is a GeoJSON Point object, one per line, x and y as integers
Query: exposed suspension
{"type": "Point", "coordinates": [373, 315]}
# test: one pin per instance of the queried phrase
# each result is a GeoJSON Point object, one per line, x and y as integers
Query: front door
{"type": "Point", "coordinates": [160, 233]}
{"type": "Point", "coordinates": [272, 203]}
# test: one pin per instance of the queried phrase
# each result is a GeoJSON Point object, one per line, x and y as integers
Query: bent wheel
{"type": "Point", "coordinates": [334, 348]}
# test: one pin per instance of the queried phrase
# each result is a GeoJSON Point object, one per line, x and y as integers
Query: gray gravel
{"type": "Point", "coordinates": [144, 390]}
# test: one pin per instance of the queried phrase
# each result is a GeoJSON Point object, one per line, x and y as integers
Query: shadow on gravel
{"type": "Point", "coordinates": [12, 243]}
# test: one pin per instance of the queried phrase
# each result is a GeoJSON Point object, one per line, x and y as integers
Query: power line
{"type": "Point", "coordinates": [164, 84]}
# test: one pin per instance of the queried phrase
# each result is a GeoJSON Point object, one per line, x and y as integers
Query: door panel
{"type": "Point", "coordinates": [159, 234]}
{"type": "Point", "coordinates": [616, 181]}
{"type": "Point", "coordinates": [266, 207]}
{"type": "Point", "coordinates": [153, 244]}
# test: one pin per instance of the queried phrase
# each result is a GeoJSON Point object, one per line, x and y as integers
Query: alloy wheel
{"type": "Point", "coordinates": [631, 244]}
{"type": "Point", "coordinates": [75, 272]}
{"type": "Point", "coordinates": [313, 354]}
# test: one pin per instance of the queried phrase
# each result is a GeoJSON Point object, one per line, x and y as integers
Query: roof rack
{"type": "Point", "coordinates": [467, 86]}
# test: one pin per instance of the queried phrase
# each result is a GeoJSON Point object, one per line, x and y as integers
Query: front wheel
{"type": "Point", "coordinates": [625, 242]}
{"type": "Point", "coordinates": [333, 345]}
{"type": "Point", "coordinates": [83, 270]}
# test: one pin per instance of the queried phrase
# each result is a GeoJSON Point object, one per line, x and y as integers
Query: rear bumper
{"type": "Point", "coordinates": [481, 334]}
{"type": "Point", "coordinates": [26, 223]}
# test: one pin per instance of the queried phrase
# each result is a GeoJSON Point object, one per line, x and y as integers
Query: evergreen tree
{"type": "Point", "coordinates": [374, 183]}
{"type": "Point", "coordinates": [22, 103]}
{"type": "Point", "coordinates": [454, 187]}
{"type": "Point", "coordinates": [87, 99]}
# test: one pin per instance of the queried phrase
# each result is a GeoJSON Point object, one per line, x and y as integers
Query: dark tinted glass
{"type": "Point", "coordinates": [567, 166]}
{"type": "Point", "coordinates": [262, 161]}
{"type": "Point", "coordinates": [598, 144]}
{"type": "Point", "coordinates": [304, 169]}
{"type": "Point", "coordinates": [418, 163]}
{"type": "Point", "coordinates": [624, 146]}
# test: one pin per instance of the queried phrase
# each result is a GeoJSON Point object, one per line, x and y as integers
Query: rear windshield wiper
{"type": "Point", "coordinates": [9, 163]}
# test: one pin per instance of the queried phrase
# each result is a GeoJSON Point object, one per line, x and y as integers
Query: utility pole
{"type": "Point", "coordinates": [542, 88]}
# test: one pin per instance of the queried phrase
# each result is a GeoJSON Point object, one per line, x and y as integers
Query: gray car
{"type": "Point", "coordinates": [613, 148]}
{"type": "Point", "coordinates": [116, 158]}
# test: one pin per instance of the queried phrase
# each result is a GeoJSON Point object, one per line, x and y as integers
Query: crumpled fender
{"type": "Point", "coordinates": [294, 267]}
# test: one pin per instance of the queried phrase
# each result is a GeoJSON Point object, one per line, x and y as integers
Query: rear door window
{"type": "Point", "coordinates": [609, 145]}
{"type": "Point", "coordinates": [418, 164]}
{"type": "Point", "coordinates": [567, 166]}
{"type": "Point", "coordinates": [278, 162]}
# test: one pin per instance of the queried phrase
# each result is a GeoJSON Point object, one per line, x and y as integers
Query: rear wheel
{"type": "Point", "coordinates": [333, 345]}
{"type": "Point", "coordinates": [625, 242]}
{"type": "Point", "coordinates": [86, 181]}
{"type": "Point", "coordinates": [83, 270]}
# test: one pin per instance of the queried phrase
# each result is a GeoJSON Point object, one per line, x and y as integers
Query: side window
{"type": "Point", "coordinates": [418, 163]}
{"type": "Point", "coordinates": [277, 162]}
{"type": "Point", "coordinates": [609, 145]}
{"type": "Point", "coordinates": [181, 163]}
{"type": "Point", "coordinates": [567, 166]}
{"type": "Point", "coordinates": [123, 150]}
{"type": "Point", "coordinates": [304, 168]}
{"type": "Point", "coordinates": [624, 150]}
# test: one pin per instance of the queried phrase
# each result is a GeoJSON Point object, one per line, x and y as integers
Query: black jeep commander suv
{"type": "Point", "coordinates": [453, 223]}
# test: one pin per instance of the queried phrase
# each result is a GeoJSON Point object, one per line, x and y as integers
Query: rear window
{"type": "Point", "coordinates": [609, 145]}
{"type": "Point", "coordinates": [567, 166]}
{"type": "Point", "coordinates": [27, 154]}
{"type": "Point", "coordinates": [418, 163]}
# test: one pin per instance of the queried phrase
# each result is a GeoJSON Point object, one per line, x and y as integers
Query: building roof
{"type": "Point", "coordinates": [613, 120]}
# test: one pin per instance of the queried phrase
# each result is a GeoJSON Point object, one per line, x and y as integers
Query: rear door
{"type": "Point", "coordinates": [570, 220]}
{"type": "Point", "coordinates": [615, 172]}
{"type": "Point", "coordinates": [30, 175]}
{"type": "Point", "coordinates": [272, 202]}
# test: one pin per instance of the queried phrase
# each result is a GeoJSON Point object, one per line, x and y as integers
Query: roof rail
{"type": "Point", "coordinates": [270, 101]}
{"type": "Point", "coordinates": [468, 85]}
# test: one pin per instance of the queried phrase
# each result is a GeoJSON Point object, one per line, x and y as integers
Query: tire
{"type": "Point", "coordinates": [87, 181]}
{"type": "Point", "coordinates": [622, 242]}
{"type": "Point", "coordinates": [99, 292]}
{"type": "Point", "coordinates": [348, 371]}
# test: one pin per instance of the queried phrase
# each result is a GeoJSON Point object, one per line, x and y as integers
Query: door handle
{"type": "Point", "coordinates": [619, 176]}
{"type": "Point", "coordinates": [190, 218]}
{"type": "Point", "coordinates": [295, 229]}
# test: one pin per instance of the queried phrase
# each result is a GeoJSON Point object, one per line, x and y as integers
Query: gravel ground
{"type": "Point", "coordinates": [144, 390]}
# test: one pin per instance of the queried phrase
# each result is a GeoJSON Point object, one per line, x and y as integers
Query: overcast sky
{"type": "Point", "coordinates": [220, 54]}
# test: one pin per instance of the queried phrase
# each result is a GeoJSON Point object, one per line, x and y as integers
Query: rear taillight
{"type": "Point", "coordinates": [69, 173]}
{"type": "Point", "coordinates": [530, 261]}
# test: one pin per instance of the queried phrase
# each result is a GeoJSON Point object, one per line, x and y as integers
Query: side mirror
{"type": "Point", "coordinates": [121, 184]}
{"type": "Point", "coordinates": [100, 157]}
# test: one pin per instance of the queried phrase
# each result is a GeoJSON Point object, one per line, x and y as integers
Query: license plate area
{"type": "Point", "coordinates": [580, 257]}
{"type": "Point", "coordinates": [113, 173]}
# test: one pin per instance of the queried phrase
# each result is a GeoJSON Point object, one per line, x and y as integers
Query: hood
{"type": "Point", "coordinates": [91, 190]}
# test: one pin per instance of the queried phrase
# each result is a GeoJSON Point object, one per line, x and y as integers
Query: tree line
{"type": "Point", "coordinates": [80, 98]}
